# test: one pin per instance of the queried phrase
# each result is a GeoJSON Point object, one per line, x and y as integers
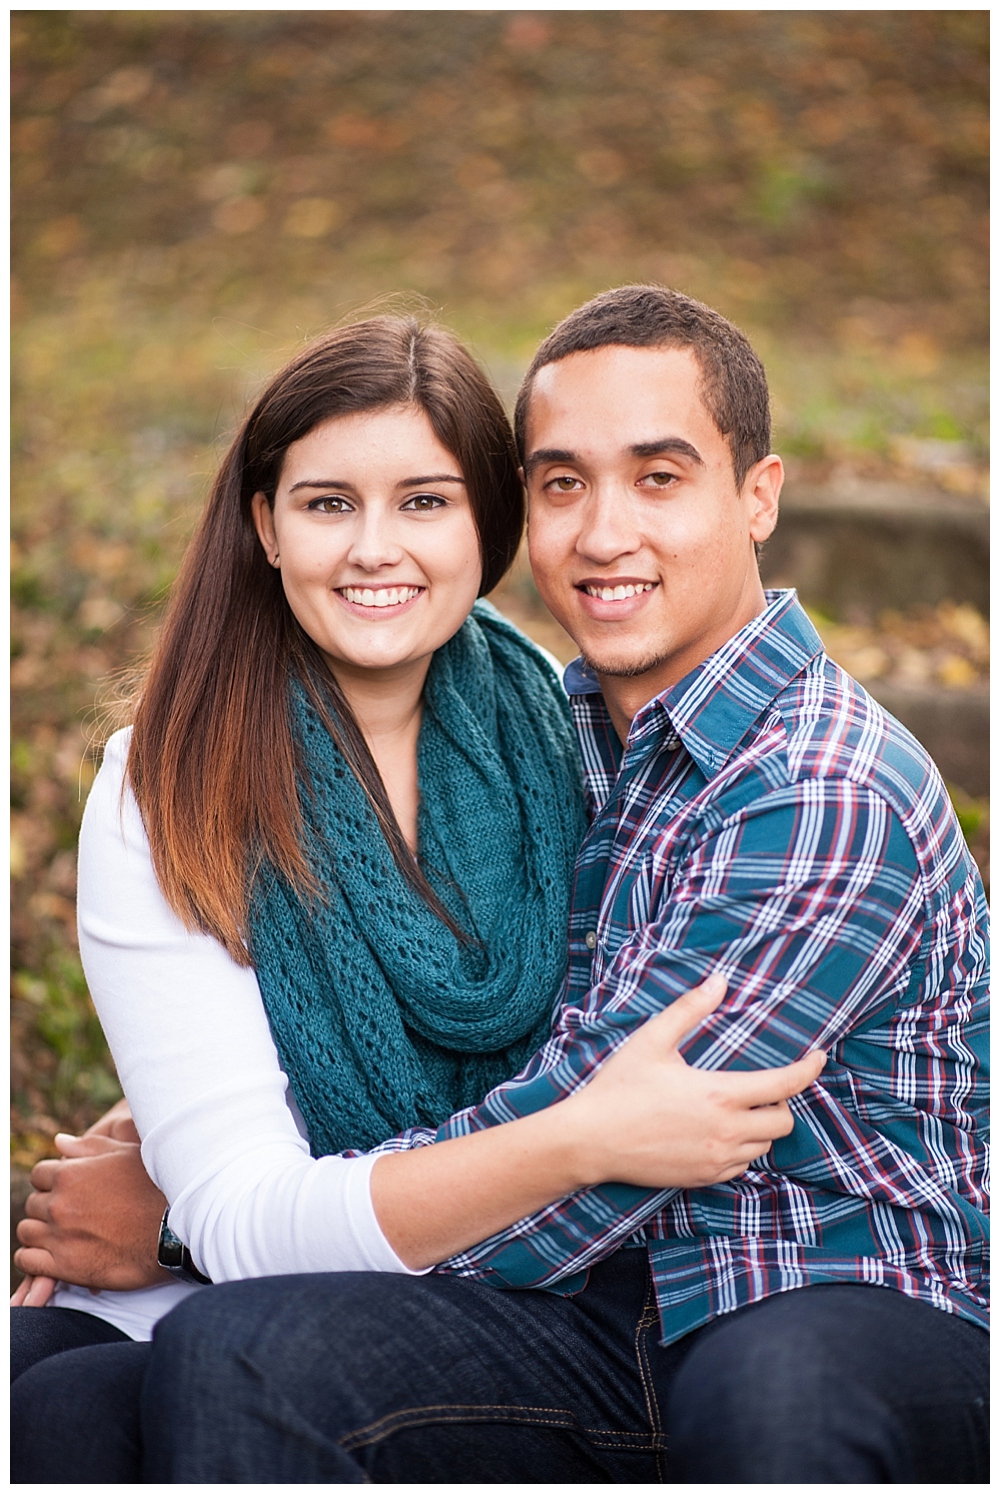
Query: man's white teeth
{"type": "Point", "coordinates": [386, 596]}
{"type": "Point", "coordinates": [617, 593]}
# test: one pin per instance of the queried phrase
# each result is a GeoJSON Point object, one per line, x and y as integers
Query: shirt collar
{"type": "Point", "coordinates": [711, 709]}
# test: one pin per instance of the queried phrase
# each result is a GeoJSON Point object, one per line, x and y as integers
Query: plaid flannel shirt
{"type": "Point", "coordinates": [767, 819]}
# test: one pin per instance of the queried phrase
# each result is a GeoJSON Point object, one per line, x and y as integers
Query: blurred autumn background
{"type": "Point", "coordinates": [196, 192]}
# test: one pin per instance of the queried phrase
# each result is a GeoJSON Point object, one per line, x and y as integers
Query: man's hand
{"type": "Point", "coordinates": [94, 1217]}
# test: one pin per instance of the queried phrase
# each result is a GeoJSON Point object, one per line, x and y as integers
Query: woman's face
{"type": "Point", "coordinates": [373, 533]}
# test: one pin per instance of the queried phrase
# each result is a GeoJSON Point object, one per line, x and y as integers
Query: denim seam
{"type": "Point", "coordinates": [650, 1315]}
{"type": "Point", "coordinates": [551, 1416]}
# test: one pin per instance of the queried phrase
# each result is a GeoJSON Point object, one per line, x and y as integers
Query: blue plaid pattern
{"type": "Point", "coordinates": [767, 819]}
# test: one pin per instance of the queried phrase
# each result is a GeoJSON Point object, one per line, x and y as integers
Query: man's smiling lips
{"type": "Point", "coordinates": [378, 603]}
{"type": "Point", "coordinates": [607, 598]}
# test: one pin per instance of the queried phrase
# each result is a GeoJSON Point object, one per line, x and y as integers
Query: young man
{"type": "Point", "coordinates": [821, 1318]}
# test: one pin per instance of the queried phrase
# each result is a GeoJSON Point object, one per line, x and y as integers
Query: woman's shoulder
{"type": "Point", "coordinates": [116, 748]}
{"type": "Point", "coordinates": [111, 805]}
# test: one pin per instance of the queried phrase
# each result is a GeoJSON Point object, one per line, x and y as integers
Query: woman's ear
{"type": "Point", "coordinates": [263, 522]}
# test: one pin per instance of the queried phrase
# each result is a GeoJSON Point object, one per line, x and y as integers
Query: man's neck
{"type": "Point", "coordinates": [625, 695]}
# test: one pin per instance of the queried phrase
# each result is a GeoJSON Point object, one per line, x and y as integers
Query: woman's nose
{"type": "Point", "coordinates": [375, 543]}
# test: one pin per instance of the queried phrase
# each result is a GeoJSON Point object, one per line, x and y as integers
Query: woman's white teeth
{"type": "Point", "coordinates": [617, 593]}
{"type": "Point", "coordinates": [386, 596]}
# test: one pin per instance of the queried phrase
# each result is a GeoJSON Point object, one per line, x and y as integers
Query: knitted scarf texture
{"type": "Point", "coordinates": [383, 1018]}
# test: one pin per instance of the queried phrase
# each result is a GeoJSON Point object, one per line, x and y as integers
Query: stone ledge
{"type": "Point", "coordinates": [855, 548]}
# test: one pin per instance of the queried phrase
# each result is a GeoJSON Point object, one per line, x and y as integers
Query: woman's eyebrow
{"type": "Point", "coordinates": [406, 482]}
{"type": "Point", "coordinates": [414, 482]}
{"type": "Point", "coordinates": [320, 482]}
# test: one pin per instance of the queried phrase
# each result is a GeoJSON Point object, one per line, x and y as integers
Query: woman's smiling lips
{"type": "Point", "coordinates": [377, 603]}
{"type": "Point", "coordinates": [609, 598]}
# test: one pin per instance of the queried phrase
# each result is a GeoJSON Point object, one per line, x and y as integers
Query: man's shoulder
{"type": "Point", "coordinates": [834, 729]}
{"type": "Point", "coordinates": [837, 737]}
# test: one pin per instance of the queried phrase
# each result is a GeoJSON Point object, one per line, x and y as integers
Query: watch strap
{"type": "Point", "coordinates": [174, 1256]}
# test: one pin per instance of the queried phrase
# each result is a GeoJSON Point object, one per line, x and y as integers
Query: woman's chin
{"type": "Point", "coordinates": [387, 657]}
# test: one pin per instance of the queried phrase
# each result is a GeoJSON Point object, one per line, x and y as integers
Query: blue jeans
{"type": "Point", "coordinates": [357, 1378]}
{"type": "Point", "coordinates": [38, 1333]}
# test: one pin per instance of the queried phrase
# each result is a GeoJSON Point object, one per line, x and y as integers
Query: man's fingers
{"type": "Point", "coordinates": [769, 1086]}
{"type": "Point", "coordinates": [38, 1206]}
{"type": "Point", "coordinates": [34, 1262]}
{"type": "Point", "coordinates": [33, 1231]}
{"type": "Point", "coordinates": [669, 1028]}
{"type": "Point", "coordinates": [43, 1174]}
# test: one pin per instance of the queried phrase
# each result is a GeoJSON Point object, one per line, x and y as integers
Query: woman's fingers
{"type": "Point", "coordinates": [34, 1291]}
{"type": "Point", "coordinates": [669, 1028]}
{"type": "Point", "coordinates": [21, 1291]}
{"type": "Point", "coordinates": [769, 1086]}
{"type": "Point", "coordinates": [116, 1123]}
{"type": "Point", "coordinates": [767, 1123]}
{"type": "Point", "coordinates": [90, 1145]}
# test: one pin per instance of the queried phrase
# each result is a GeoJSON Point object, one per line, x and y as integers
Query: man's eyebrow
{"type": "Point", "coordinates": [547, 454]}
{"type": "Point", "coordinates": [668, 446]}
{"type": "Point", "coordinates": [407, 482]}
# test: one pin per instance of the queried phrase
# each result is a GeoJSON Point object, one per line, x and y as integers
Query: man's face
{"type": "Point", "coordinates": [640, 543]}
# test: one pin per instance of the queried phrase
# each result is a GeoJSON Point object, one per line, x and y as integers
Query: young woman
{"type": "Point", "coordinates": [324, 881]}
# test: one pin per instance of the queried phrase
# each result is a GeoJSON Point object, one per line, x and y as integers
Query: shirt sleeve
{"type": "Point", "coordinates": [194, 1053]}
{"type": "Point", "coordinates": [810, 901]}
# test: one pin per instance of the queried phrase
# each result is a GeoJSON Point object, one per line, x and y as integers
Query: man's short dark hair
{"type": "Point", "coordinates": [733, 383]}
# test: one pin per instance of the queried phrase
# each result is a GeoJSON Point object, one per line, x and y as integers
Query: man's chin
{"type": "Point", "coordinates": [622, 666]}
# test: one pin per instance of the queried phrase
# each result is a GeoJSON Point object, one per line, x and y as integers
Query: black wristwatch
{"type": "Point", "coordinates": [174, 1256]}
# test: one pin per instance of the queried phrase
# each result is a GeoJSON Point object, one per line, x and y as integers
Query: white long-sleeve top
{"type": "Point", "coordinates": [221, 1136]}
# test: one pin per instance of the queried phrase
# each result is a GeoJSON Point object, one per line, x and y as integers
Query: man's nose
{"type": "Point", "coordinates": [608, 527]}
{"type": "Point", "coordinates": [375, 543]}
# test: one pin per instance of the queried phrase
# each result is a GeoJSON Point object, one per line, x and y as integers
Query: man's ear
{"type": "Point", "coordinates": [762, 490]}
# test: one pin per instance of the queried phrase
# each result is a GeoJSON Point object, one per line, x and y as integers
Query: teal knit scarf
{"type": "Point", "coordinates": [382, 1017]}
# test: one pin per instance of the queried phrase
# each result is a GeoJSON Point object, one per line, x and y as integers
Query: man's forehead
{"type": "Point", "coordinates": [633, 394]}
{"type": "Point", "coordinates": [618, 363]}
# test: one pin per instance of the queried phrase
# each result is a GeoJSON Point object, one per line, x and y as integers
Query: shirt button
{"type": "Point", "coordinates": [590, 940]}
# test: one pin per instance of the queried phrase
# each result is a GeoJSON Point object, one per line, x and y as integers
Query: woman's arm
{"type": "Point", "coordinates": [95, 1216]}
{"type": "Point", "coordinates": [645, 1117]}
{"type": "Point", "coordinates": [196, 1058]}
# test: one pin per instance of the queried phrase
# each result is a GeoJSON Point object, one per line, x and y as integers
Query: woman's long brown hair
{"type": "Point", "coordinates": [213, 761]}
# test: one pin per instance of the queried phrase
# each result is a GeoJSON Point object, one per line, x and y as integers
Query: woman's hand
{"type": "Point", "coordinates": [649, 1118]}
{"type": "Point", "coordinates": [94, 1217]}
{"type": "Point", "coordinates": [646, 1117]}
{"type": "Point", "coordinates": [33, 1291]}
{"type": "Point", "coordinates": [116, 1123]}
